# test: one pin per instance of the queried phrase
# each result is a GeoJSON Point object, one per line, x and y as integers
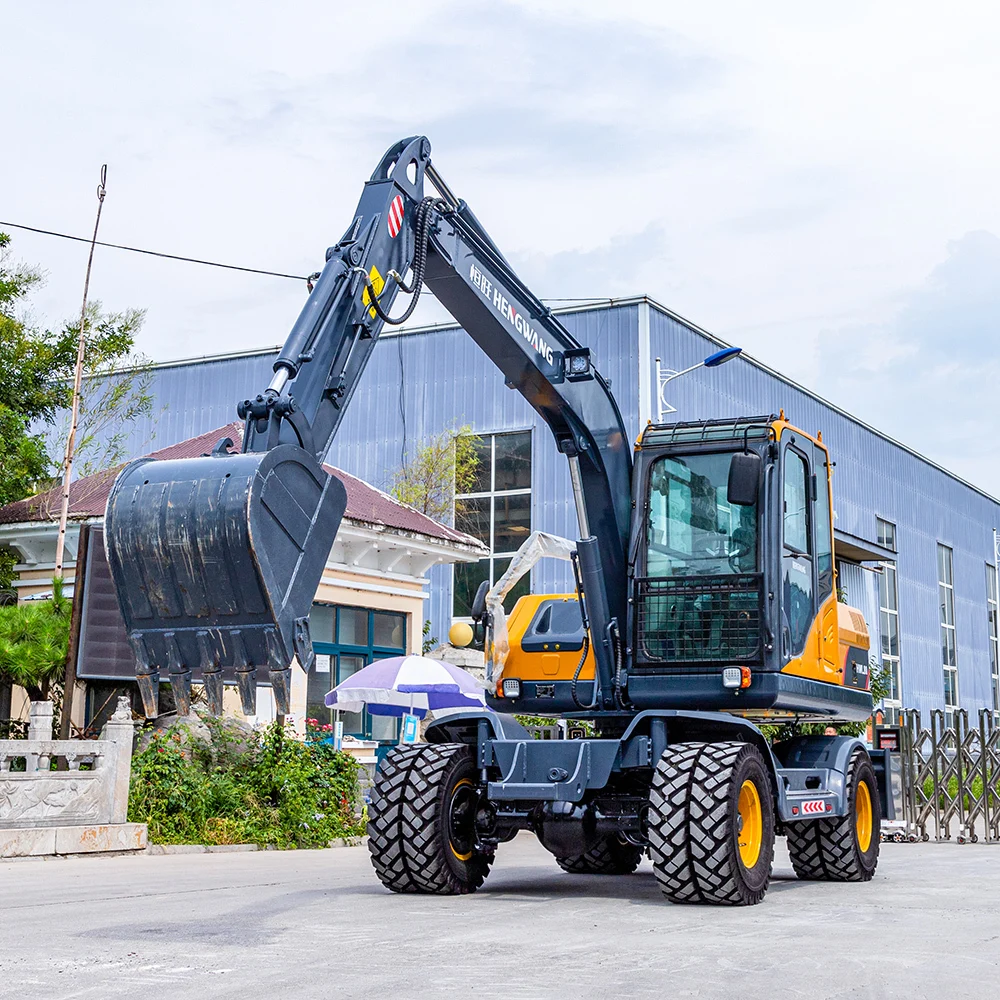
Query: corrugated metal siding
{"type": "Point", "coordinates": [873, 478]}
{"type": "Point", "coordinates": [449, 382]}
{"type": "Point", "coordinates": [190, 399]}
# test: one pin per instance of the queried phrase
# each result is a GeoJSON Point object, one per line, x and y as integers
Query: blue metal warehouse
{"type": "Point", "coordinates": [915, 549]}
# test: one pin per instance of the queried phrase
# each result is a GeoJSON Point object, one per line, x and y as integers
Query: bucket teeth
{"type": "Point", "coordinates": [213, 690]}
{"type": "Point", "coordinates": [281, 684]}
{"type": "Point", "coordinates": [246, 681]}
{"type": "Point", "coordinates": [149, 689]}
{"type": "Point", "coordinates": [180, 684]}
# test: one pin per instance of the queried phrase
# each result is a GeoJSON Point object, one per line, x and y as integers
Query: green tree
{"type": "Point", "coordinates": [33, 642]}
{"type": "Point", "coordinates": [23, 458]}
{"type": "Point", "coordinates": [442, 467]}
{"type": "Point", "coordinates": [116, 390]}
{"type": "Point", "coordinates": [36, 379]}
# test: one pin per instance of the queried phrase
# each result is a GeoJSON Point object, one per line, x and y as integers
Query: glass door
{"type": "Point", "coordinates": [347, 639]}
{"type": "Point", "coordinates": [354, 722]}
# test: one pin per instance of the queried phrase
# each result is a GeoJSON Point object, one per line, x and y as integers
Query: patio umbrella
{"type": "Point", "coordinates": [403, 685]}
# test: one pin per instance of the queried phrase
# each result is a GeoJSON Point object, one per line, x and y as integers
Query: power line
{"type": "Point", "coordinates": [248, 270]}
{"type": "Point", "coordinates": [157, 253]}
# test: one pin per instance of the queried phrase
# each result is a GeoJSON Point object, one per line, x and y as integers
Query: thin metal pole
{"type": "Point", "coordinates": [659, 393]}
{"type": "Point", "coordinates": [663, 377]}
{"type": "Point", "coordinates": [77, 381]}
{"type": "Point", "coordinates": [76, 619]}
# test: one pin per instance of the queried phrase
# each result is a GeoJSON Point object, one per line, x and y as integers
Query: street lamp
{"type": "Point", "coordinates": [665, 375]}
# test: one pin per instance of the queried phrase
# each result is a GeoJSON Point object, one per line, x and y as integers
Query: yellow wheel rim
{"type": "Point", "coordinates": [863, 817]}
{"type": "Point", "coordinates": [751, 824]}
{"type": "Point", "coordinates": [456, 793]}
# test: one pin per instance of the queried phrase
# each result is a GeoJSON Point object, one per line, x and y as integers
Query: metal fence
{"type": "Point", "coordinates": [949, 780]}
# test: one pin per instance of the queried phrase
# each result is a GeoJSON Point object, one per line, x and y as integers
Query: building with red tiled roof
{"type": "Point", "coordinates": [88, 496]}
{"type": "Point", "coordinates": [370, 601]}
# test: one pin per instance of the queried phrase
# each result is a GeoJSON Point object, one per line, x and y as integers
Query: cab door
{"type": "Point", "coordinates": [798, 587]}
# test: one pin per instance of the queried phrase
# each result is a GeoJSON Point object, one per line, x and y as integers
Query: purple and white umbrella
{"type": "Point", "coordinates": [406, 684]}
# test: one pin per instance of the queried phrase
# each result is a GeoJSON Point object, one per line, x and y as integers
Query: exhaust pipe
{"type": "Point", "coordinates": [216, 561]}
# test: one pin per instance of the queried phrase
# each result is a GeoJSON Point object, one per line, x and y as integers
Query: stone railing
{"type": "Point", "coordinates": [82, 808]}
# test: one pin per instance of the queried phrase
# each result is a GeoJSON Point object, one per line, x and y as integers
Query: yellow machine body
{"type": "Point", "coordinates": [836, 650]}
{"type": "Point", "coordinates": [548, 656]}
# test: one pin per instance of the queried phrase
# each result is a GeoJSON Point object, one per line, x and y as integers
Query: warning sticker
{"type": "Point", "coordinates": [395, 220]}
{"type": "Point", "coordinates": [813, 806]}
{"type": "Point", "coordinates": [378, 283]}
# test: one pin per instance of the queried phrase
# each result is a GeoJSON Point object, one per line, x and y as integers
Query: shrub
{"type": "Point", "coordinates": [264, 788]}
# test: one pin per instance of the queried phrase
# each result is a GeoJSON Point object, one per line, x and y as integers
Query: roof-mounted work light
{"type": "Point", "coordinates": [576, 364]}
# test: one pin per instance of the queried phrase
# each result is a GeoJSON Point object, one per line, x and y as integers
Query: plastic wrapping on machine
{"type": "Point", "coordinates": [537, 545]}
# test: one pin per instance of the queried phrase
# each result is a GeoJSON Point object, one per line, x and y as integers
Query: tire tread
{"type": "Point", "coordinates": [824, 850]}
{"type": "Point", "coordinates": [690, 826]}
{"type": "Point", "coordinates": [608, 857]}
{"type": "Point", "coordinates": [404, 837]}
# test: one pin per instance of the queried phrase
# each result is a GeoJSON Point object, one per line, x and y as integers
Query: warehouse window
{"type": "Point", "coordinates": [885, 533]}
{"type": "Point", "coordinates": [497, 511]}
{"type": "Point", "coordinates": [888, 606]}
{"type": "Point", "coordinates": [949, 655]}
{"type": "Point", "coordinates": [991, 611]}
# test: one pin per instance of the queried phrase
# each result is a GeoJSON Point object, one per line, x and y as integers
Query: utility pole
{"type": "Point", "coordinates": [77, 381]}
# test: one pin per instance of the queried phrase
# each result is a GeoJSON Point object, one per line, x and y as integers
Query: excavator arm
{"type": "Point", "coordinates": [216, 560]}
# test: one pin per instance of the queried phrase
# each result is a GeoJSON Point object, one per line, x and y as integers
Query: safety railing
{"type": "Point", "coordinates": [91, 788]}
{"type": "Point", "coordinates": [950, 778]}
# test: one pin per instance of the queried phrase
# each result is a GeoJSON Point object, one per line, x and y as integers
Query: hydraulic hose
{"type": "Point", "coordinates": [620, 696]}
{"type": "Point", "coordinates": [576, 675]}
{"type": "Point", "coordinates": [421, 229]}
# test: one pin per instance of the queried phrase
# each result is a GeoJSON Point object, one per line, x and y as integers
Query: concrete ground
{"type": "Point", "coordinates": [317, 924]}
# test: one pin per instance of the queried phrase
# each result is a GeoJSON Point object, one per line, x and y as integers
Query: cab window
{"type": "Point", "coordinates": [797, 570]}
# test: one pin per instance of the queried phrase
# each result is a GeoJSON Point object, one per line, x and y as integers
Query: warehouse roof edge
{"type": "Point", "coordinates": [588, 305]}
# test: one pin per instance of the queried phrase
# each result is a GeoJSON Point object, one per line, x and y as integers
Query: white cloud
{"type": "Point", "coordinates": [771, 172]}
{"type": "Point", "coordinates": [928, 376]}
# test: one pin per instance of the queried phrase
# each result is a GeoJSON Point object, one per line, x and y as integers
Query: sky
{"type": "Point", "coordinates": [815, 183]}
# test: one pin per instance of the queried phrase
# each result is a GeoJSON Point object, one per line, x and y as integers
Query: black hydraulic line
{"type": "Point", "coordinates": [585, 619]}
{"type": "Point", "coordinates": [421, 226]}
{"type": "Point", "coordinates": [576, 675]}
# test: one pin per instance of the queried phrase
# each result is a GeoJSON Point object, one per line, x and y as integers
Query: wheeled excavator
{"type": "Point", "coordinates": [705, 601]}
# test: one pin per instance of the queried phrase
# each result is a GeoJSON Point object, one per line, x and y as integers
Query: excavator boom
{"type": "Point", "coordinates": [216, 560]}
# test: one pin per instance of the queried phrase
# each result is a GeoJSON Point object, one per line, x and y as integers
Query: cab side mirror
{"type": "Point", "coordinates": [744, 479]}
{"type": "Point", "coordinates": [479, 602]}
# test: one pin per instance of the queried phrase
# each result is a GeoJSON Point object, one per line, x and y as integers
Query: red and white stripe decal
{"type": "Point", "coordinates": [395, 221]}
{"type": "Point", "coordinates": [813, 806]}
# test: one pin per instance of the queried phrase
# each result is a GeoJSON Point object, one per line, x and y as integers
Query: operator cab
{"type": "Point", "coordinates": [732, 601]}
{"type": "Point", "coordinates": [733, 598]}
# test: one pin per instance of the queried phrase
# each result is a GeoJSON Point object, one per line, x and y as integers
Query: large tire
{"type": "Point", "coordinates": [610, 856]}
{"type": "Point", "coordinates": [702, 797]}
{"type": "Point", "coordinates": [421, 821]}
{"type": "Point", "coordinates": [835, 850]}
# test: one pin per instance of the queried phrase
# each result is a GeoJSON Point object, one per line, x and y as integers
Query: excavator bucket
{"type": "Point", "coordinates": [216, 561]}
